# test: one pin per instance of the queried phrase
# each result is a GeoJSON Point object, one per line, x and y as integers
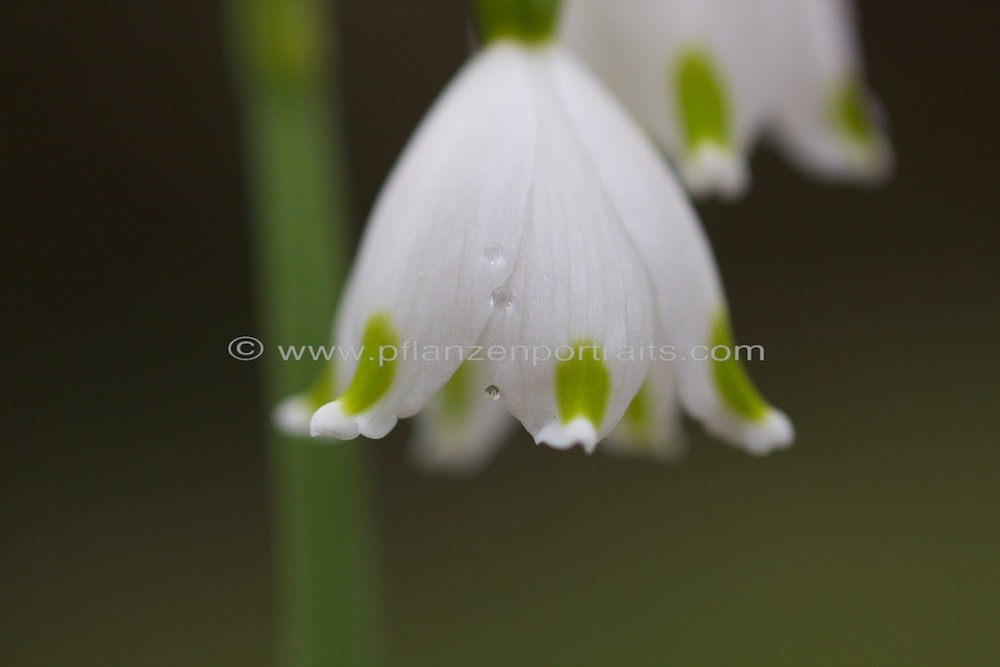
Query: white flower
{"type": "Point", "coordinates": [528, 213]}
{"type": "Point", "coordinates": [708, 77]}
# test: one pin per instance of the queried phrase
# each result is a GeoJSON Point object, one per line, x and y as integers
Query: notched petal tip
{"type": "Point", "coordinates": [578, 431]}
{"type": "Point", "coordinates": [713, 170]}
{"type": "Point", "coordinates": [332, 421]}
{"type": "Point", "coordinates": [772, 432]}
{"type": "Point", "coordinates": [732, 409]}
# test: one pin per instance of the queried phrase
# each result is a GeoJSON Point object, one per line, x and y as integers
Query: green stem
{"type": "Point", "coordinates": [324, 554]}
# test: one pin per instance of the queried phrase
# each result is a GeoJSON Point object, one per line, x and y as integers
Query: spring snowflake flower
{"type": "Point", "coordinates": [708, 77]}
{"type": "Point", "coordinates": [531, 223]}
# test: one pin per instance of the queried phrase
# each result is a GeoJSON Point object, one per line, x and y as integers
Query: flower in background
{"type": "Point", "coordinates": [529, 213]}
{"type": "Point", "coordinates": [709, 77]}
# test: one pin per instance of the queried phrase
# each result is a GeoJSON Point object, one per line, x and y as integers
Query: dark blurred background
{"type": "Point", "coordinates": [135, 526]}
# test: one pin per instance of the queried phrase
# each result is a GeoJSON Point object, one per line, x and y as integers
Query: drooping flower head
{"type": "Point", "coordinates": [709, 77]}
{"type": "Point", "coordinates": [531, 246]}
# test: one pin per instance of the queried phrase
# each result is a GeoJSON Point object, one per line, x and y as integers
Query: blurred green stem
{"type": "Point", "coordinates": [326, 582]}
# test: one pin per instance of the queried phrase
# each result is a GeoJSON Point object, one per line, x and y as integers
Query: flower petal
{"type": "Point", "coordinates": [666, 234]}
{"type": "Point", "coordinates": [440, 240]}
{"type": "Point", "coordinates": [681, 66]}
{"type": "Point", "coordinates": [462, 426]}
{"type": "Point", "coordinates": [828, 120]}
{"type": "Point", "coordinates": [651, 425]}
{"type": "Point", "coordinates": [293, 415]}
{"type": "Point", "coordinates": [577, 295]}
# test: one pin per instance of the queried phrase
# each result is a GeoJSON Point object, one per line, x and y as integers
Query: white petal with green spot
{"type": "Point", "coordinates": [577, 277]}
{"type": "Point", "coordinates": [460, 187]}
{"type": "Point", "coordinates": [351, 413]}
{"type": "Point", "coordinates": [652, 424]}
{"type": "Point", "coordinates": [583, 388]}
{"type": "Point", "coordinates": [681, 67]}
{"type": "Point", "coordinates": [665, 232]}
{"type": "Point", "coordinates": [790, 68]}
{"type": "Point", "coordinates": [828, 120]}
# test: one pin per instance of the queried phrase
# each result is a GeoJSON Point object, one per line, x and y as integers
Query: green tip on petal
{"type": "Point", "coordinates": [851, 112]}
{"type": "Point", "coordinates": [637, 415]}
{"type": "Point", "coordinates": [529, 21]}
{"type": "Point", "coordinates": [702, 104]}
{"type": "Point", "coordinates": [454, 395]}
{"type": "Point", "coordinates": [583, 385]}
{"type": "Point", "coordinates": [731, 379]}
{"type": "Point", "coordinates": [376, 370]}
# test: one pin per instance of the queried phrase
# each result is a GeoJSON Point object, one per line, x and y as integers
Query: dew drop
{"type": "Point", "coordinates": [502, 298]}
{"type": "Point", "coordinates": [494, 253]}
{"type": "Point", "coordinates": [493, 392]}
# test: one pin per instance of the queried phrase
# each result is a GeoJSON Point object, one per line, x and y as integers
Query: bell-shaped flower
{"type": "Point", "coordinates": [709, 77]}
{"type": "Point", "coordinates": [531, 250]}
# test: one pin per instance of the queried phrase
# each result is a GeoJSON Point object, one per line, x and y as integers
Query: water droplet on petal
{"type": "Point", "coordinates": [494, 253]}
{"type": "Point", "coordinates": [493, 392]}
{"type": "Point", "coordinates": [502, 298]}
